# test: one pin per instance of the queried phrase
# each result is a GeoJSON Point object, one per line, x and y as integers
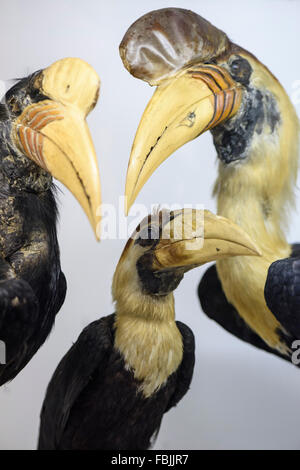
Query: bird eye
{"type": "Point", "coordinates": [14, 105]}
{"type": "Point", "coordinates": [240, 70]}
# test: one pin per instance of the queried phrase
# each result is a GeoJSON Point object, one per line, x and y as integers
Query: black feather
{"type": "Point", "coordinates": [32, 254]}
{"type": "Point", "coordinates": [215, 305]}
{"type": "Point", "coordinates": [282, 291]}
{"type": "Point", "coordinates": [94, 402]}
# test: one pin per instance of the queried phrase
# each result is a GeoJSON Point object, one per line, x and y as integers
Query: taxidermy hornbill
{"type": "Point", "coordinates": [204, 81]}
{"type": "Point", "coordinates": [126, 370]}
{"type": "Point", "coordinates": [43, 133]}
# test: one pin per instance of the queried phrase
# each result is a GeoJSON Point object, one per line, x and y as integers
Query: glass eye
{"type": "Point", "coordinates": [14, 105]}
{"type": "Point", "coordinates": [240, 70]}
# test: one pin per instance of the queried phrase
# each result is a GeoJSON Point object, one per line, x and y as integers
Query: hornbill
{"type": "Point", "coordinates": [43, 134]}
{"type": "Point", "coordinates": [126, 370]}
{"type": "Point", "coordinates": [206, 82]}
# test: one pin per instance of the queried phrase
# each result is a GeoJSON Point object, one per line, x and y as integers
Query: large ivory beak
{"type": "Point", "coordinates": [182, 107]}
{"type": "Point", "coordinates": [195, 237]}
{"type": "Point", "coordinates": [54, 133]}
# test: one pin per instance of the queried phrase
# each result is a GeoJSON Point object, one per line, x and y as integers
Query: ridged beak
{"type": "Point", "coordinates": [195, 237]}
{"type": "Point", "coordinates": [196, 99]}
{"type": "Point", "coordinates": [54, 133]}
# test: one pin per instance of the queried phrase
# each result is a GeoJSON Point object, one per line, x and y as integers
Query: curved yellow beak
{"type": "Point", "coordinates": [182, 107]}
{"type": "Point", "coordinates": [54, 133]}
{"type": "Point", "coordinates": [195, 237]}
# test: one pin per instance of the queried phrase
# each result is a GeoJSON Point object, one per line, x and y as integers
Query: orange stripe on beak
{"type": "Point", "coordinates": [226, 100]}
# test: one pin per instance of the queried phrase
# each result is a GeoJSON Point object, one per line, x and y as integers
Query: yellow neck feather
{"type": "Point", "coordinates": [256, 194]}
{"type": "Point", "coordinates": [146, 332]}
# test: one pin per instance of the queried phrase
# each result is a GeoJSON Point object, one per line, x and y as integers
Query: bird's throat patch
{"type": "Point", "coordinates": [259, 115]}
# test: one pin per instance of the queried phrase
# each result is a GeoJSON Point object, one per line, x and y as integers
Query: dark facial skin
{"type": "Point", "coordinates": [22, 94]}
{"type": "Point", "coordinates": [17, 171]}
{"type": "Point", "coordinates": [233, 138]}
{"type": "Point", "coordinates": [155, 282]}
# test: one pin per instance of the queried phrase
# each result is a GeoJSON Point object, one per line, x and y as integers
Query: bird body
{"type": "Point", "coordinates": [281, 294]}
{"type": "Point", "coordinates": [256, 194]}
{"type": "Point", "coordinates": [125, 371]}
{"type": "Point", "coordinates": [32, 287]}
{"type": "Point", "coordinates": [37, 142]}
{"type": "Point", "coordinates": [122, 417]}
{"type": "Point", "coordinates": [213, 84]}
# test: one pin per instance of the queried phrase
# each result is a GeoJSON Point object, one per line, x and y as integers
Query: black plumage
{"type": "Point", "coordinates": [32, 286]}
{"type": "Point", "coordinates": [282, 297]}
{"type": "Point", "coordinates": [93, 402]}
{"type": "Point", "coordinates": [112, 388]}
{"type": "Point", "coordinates": [43, 134]}
{"type": "Point", "coordinates": [282, 291]}
{"type": "Point", "coordinates": [31, 298]}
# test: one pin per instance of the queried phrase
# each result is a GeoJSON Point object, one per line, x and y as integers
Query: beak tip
{"type": "Point", "coordinates": [257, 252]}
{"type": "Point", "coordinates": [126, 209]}
{"type": "Point", "coordinates": [96, 225]}
{"type": "Point", "coordinates": [127, 205]}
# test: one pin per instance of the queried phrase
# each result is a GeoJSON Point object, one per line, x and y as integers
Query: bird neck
{"type": "Point", "coordinates": [255, 209]}
{"type": "Point", "coordinates": [146, 335]}
{"type": "Point", "coordinates": [257, 194]}
{"type": "Point", "coordinates": [257, 191]}
{"type": "Point", "coordinates": [243, 278]}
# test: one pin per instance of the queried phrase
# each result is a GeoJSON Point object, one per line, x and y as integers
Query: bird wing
{"type": "Point", "coordinates": [32, 290]}
{"type": "Point", "coordinates": [61, 293]}
{"type": "Point", "coordinates": [282, 292]}
{"type": "Point", "coordinates": [19, 311]}
{"type": "Point", "coordinates": [215, 305]}
{"type": "Point", "coordinates": [90, 352]}
{"type": "Point", "coordinates": [186, 368]}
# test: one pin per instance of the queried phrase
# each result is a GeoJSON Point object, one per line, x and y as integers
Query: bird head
{"type": "Point", "coordinates": [206, 82]}
{"type": "Point", "coordinates": [166, 245]}
{"type": "Point", "coordinates": [44, 133]}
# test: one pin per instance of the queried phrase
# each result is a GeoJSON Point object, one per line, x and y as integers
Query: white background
{"type": "Point", "coordinates": [240, 398]}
